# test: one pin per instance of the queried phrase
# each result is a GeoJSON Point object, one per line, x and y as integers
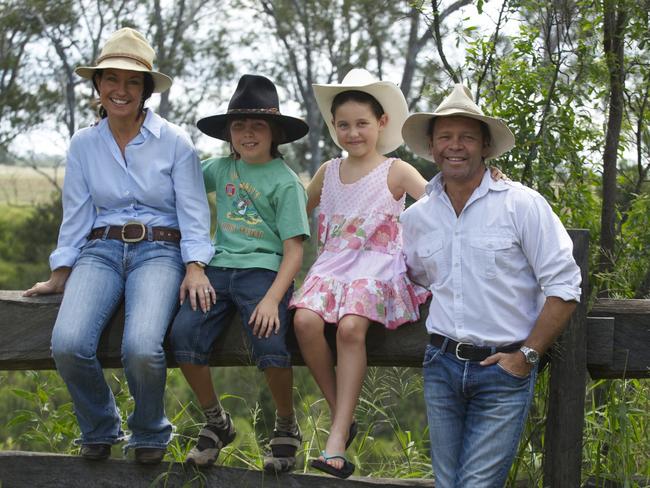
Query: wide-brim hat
{"type": "Point", "coordinates": [388, 95]}
{"type": "Point", "coordinates": [127, 49]}
{"type": "Point", "coordinates": [255, 97]}
{"type": "Point", "coordinates": [458, 103]}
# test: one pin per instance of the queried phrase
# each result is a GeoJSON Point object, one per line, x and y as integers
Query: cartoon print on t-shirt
{"type": "Point", "coordinates": [244, 210]}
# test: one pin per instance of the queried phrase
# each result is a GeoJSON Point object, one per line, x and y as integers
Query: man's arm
{"type": "Point", "coordinates": [552, 320]}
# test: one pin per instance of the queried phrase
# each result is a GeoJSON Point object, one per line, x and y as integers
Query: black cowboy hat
{"type": "Point", "coordinates": [255, 97]}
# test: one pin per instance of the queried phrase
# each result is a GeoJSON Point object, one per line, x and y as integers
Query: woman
{"type": "Point", "coordinates": [135, 227]}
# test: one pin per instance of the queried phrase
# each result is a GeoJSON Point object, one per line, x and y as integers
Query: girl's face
{"type": "Point", "coordinates": [252, 139]}
{"type": "Point", "coordinates": [358, 128]}
{"type": "Point", "coordinates": [120, 93]}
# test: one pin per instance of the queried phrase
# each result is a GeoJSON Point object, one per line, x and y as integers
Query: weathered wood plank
{"type": "Point", "coordinates": [29, 470]}
{"type": "Point", "coordinates": [566, 397]}
{"type": "Point", "coordinates": [26, 329]}
{"type": "Point", "coordinates": [600, 341]}
{"type": "Point", "coordinates": [630, 351]}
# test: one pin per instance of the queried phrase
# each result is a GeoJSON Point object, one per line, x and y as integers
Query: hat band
{"type": "Point", "coordinates": [271, 110]}
{"type": "Point", "coordinates": [133, 57]}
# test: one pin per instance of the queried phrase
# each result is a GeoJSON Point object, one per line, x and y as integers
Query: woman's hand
{"type": "Point", "coordinates": [197, 286]}
{"type": "Point", "coordinates": [55, 284]}
{"type": "Point", "coordinates": [265, 318]}
{"type": "Point", "coordinates": [497, 174]}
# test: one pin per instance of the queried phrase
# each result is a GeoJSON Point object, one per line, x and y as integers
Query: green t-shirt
{"type": "Point", "coordinates": [258, 207]}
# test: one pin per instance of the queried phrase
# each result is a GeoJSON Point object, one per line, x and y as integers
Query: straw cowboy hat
{"type": "Point", "coordinates": [127, 49]}
{"type": "Point", "coordinates": [388, 95]}
{"type": "Point", "coordinates": [257, 97]}
{"type": "Point", "coordinates": [459, 103]}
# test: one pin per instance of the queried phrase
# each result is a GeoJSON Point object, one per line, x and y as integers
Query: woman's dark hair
{"type": "Point", "coordinates": [359, 97]}
{"type": "Point", "coordinates": [277, 134]}
{"type": "Point", "coordinates": [146, 91]}
{"type": "Point", "coordinates": [485, 130]}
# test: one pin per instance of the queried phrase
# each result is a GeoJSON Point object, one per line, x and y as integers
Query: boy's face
{"type": "Point", "coordinates": [252, 139]}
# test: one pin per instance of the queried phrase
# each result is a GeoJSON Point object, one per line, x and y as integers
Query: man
{"type": "Point", "coordinates": [504, 282]}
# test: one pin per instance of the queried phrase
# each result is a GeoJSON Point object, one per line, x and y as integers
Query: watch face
{"type": "Point", "coordinates": [531, 356]}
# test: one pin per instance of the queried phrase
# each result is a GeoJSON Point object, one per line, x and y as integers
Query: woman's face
{"type": "Point", "coordinates": [252, 139]}
{"type": "Point", "coordinates": [120, 93]}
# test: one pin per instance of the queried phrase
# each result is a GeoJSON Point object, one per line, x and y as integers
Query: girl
{"type": "Point", "coordinates": [359, 276]}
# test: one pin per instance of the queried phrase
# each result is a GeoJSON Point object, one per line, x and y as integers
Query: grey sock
{"type": "Point", "coordinates": [216, 416]}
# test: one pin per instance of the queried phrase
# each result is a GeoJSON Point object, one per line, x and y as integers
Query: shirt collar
{"type": "Point", "coordinates": [436, 186]}
{"type": "Point", "coordinates": [152, 123]}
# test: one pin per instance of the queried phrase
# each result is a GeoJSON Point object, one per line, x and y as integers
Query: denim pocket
{"type": "Point", "coordinates": [510, 374]}
{"type": "Point", "coordinates": [431, 353]}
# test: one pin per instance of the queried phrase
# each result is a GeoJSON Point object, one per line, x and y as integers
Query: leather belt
{"type": "Point", "coordinates": [468, 352]}
{"type": "Point", "coordinates": [132, 232]}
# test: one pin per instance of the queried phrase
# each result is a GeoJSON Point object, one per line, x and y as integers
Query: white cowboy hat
{"type": "Point", "coordinates": [388, 95]}
{"type": "Point", "coordinates": [127, 49]}
{"type": "Point", "coordinates": [459, 103]}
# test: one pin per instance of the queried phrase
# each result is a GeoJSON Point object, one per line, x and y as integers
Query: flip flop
{"type": "Point", "coordinates": [352, 433]}
{"type": "Point", "coordinates": [343, 473]}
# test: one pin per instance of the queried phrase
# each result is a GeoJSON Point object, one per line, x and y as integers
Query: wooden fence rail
{"type": "Point", "coordinates": [612, 342]}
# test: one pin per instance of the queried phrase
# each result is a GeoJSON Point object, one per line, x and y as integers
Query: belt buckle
{"type": "Point", "coordinates": [458, 347]}
{"type": "Point", "coordinates": [131, 240]}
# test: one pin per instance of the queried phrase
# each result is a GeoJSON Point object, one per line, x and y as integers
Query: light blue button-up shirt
{"type": "Point", "coordinates": [490, 268]}
{"type": "Point", "coordinates": [158, 182]}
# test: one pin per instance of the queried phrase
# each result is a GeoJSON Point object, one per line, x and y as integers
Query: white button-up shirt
{"type": "Point", "coordinates": [158, 182]}
{"type": "Point", "coordinates": [490, 268]}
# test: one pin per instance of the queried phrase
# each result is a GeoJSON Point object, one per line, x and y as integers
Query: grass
{"type": "Point", "coordinates": [23, 186]}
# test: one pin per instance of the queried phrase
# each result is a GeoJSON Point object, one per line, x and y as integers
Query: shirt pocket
{"type": "Point", "coordinates": [430, 252]}
{"type": "Point", "coordinates": [486, 252]}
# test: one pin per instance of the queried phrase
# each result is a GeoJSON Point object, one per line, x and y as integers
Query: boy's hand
{"type": "Point", "coordinates": [265, 318]}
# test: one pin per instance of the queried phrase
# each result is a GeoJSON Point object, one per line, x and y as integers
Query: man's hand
{"type": "Point", "coordinates": [513, 362]}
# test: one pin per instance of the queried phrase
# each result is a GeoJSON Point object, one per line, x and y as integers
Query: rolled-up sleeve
{"type": "Point", "coordinates": [78, 213]}
{"type": "Point", "coordinates": [549, 250]}
{"type": "Point", "coordinates": [192, 208]}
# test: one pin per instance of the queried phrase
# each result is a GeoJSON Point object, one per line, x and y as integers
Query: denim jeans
{"type": "Point", "coordinates": [476, 415]}
{"type": "Point", "coordinates": [194, 332]}
{"type": "Point", "coordinates": [147, 275]}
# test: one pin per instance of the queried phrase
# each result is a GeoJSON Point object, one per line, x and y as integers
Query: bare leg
{"type": "Point", "coordinates": [350, 373]}
{"type": "Point", "coordinates": [280, 381]}
{"type": "Point", "coordinates": [199, 379]}
{"type": "Point", "coordinates": [309, 328]}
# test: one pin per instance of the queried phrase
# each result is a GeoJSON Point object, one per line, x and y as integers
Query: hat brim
{"type": "Point", "coordinates": [161, 82]}
{"type": "Point", "coordinates": [387, 94]}
{"type": "Point", "coordinates": [216, 126]}
{"type": "Point", "coordinates": [416, 126]}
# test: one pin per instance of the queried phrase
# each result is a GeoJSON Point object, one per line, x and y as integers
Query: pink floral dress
{"type": "Point", "coordinates": [360, 268]}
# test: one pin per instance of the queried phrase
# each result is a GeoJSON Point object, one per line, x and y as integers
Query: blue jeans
{"type": "Point", "coordinates": [476, 416]}
{"type": "Point", "coordinates": [194, 332]}
{"type": "Point", "coordinates": [148, 276]}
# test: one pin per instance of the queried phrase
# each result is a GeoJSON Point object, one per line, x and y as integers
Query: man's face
{"type": "Point", "coordinates": [458, 147]}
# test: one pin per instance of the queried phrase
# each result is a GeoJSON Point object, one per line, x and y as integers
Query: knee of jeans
{"type": "Point", "coordinates": [273, 361]}
{"type": "Point", "coordinates": [143, 356]}
{"type": "Point", "coordinates": [70, 349]}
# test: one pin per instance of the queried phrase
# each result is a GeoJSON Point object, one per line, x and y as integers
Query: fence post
{"type": "Point", "coordinates": [566, 396]}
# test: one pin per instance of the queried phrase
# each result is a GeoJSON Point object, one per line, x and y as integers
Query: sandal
{"type": "Point", "coordinates": [210, 442]}
{"type": "Point", "coordinates": [283, 452]}
{"type": "Point", "coordinates": [352, 433]}
{"type": "Point", "coordinates": [346, 470]}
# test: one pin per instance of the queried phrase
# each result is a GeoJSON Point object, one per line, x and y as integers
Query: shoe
{"type": "Point", "coordinates": [149, 455]}
{"type": "Point", "coordinates": [346, 470]}
{"type": "Point", "coordinates": [210, 442]}
{"type": "Point", "coordinates": [95, 452]}
{"type": "Point", "coordinates": [283, 452]}
{"type": "Point", "coordinates": [352, 433]}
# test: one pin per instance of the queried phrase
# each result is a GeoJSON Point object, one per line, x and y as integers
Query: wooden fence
{"type": "Point", "coordinates": [612, 342]}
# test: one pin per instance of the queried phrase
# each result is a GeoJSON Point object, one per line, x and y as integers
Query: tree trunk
{"type": "Point", "coordinates": [615, 20]}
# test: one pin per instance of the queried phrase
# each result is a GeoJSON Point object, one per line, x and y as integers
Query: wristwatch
{"type": "Point", "coordinates": [531, 355]}
{"type": "Point", "coordinates": [200, 264]}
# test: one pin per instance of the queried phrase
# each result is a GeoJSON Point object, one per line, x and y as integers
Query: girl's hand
{"type": "Point", "coordinates": [197, 285]}
{"type": "Point", "coordinates": [265, 318]}
{"type": "Point", "coordinates": [497, 175]}
{"type": "Point", "coordinates": [55, 284]}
